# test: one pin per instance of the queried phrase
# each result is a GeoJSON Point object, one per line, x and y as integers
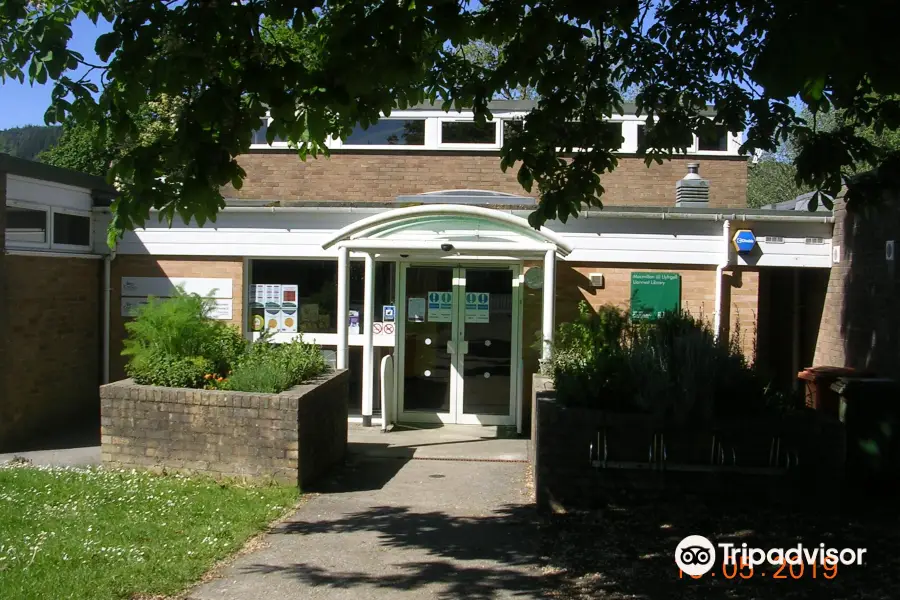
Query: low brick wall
{"type": "Point", "coordinates": [565, 440]}
{"type": "Point", "coordinates": [293, 437]}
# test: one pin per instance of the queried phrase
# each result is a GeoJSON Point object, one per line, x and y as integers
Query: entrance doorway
{"type": "Point", "coordinates": [459, 344]}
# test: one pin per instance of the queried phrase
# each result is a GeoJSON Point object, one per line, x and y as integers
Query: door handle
{"type": "Point", "coordinates": [463, 347]}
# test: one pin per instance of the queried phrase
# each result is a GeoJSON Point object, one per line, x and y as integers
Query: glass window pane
{"type": "Point", "coordinates": [71, 229]}
{"type": "Point", "coordinates": [389, 132]}
{"type": "Point", "coordinates": [613, 133]}
{"type": "Point", "coordinates": [468, 132]}
{"type": "Point", "coordinates": [259, 136]}
{"type": "Point", "coordinates": [26, 225]}
{"type": "Point", "coordinates": [384, 287]}
{"type": "Point", "coordinates": [316, 282]}
{"type": "Point", "coordinates": [641, 138]}
{"type": "Point", "coordinates": [713, 139]}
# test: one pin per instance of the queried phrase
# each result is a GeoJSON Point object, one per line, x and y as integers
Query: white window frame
{"type": "Point", "coordinates": [429, 143]}
{"type": "Point", "coordinates": [75, 213]}
{"type": "Point", "coordinates": [48, 225]}
{"type": "Point", "coordinates": [497, 123]}
{"type": "Point", "coordinates": [434, 120]}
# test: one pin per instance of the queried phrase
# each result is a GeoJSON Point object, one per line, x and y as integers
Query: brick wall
{"type": "Point", "coordinates": [372, 176]}
{"type": "Point", "coordinates": [562, 438]}
{"type": "Point", "coordinates": [698, 293]}
{"type": "Point", "coordinates": [162, 266]}
{"type": "Point", "coordinates": [52, 368]}
{"type": "Point", "coordinates": [860, 324]}
{"type": "Point", "coordinates": [293, 437]}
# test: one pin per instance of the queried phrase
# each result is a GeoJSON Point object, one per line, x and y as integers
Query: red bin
{"type": "Point", "coordinates": [819, 394]}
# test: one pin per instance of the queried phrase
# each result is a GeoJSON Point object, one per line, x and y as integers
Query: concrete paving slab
{"type": "Point", "coordinates": [68, 457]}
{"type": "Point", "coordinates": [389, 527]}
{"type": "Point", "coordinates": [448, 442]}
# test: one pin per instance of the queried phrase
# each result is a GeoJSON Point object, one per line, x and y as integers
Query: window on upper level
{"type": "Point", "coordinates": [389, 132]}
{"type": "Point", "coordinates": [434, 130]}
{"type": "Point", "coordinates": [641, 138]}
{"type": "Point", "coordinates": [259, 136]}
{"type": "Point", "coordinates": [614, 129]}
{"type": "Point", "coordinates": [511, 128]}
{"type": "Point", "coordinates": [713, 140]}
{"type": "Point", "coordinates": [468, 132]}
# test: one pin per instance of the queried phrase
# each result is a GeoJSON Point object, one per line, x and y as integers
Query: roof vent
{"type": "Point", "coordinates": [693, 190]}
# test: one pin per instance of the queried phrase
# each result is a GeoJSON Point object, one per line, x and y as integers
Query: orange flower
{"type": "Point", "coordinates": [220, 379]}
{"type": "Point", "coordinates": [207, 376]}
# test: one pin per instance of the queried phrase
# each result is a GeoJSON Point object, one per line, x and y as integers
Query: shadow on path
{"type": "Point", "coordinates": [474, 557]}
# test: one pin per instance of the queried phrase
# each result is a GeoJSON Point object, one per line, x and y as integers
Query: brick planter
{"type": "Point", "coordinates": [293, 437]}
{"type": "Point", "coordinates": [565, 441]}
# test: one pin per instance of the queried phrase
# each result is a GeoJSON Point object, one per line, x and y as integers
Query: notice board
{"type": "Point", "coordinates": [654, 294]}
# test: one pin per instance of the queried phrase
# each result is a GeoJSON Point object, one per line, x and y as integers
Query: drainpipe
{"type": "Point", "coordinates": [720, 296]}
{"type": "Point", "coordinates": [107, 301]}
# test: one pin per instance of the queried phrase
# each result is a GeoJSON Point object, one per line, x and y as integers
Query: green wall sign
{"type": "Point", "coordinates": [653, 294]}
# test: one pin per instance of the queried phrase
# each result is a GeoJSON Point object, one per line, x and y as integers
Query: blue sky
{"type": "Point", "coordinates": [22, 104]}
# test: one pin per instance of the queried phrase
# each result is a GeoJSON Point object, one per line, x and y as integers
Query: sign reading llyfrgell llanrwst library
{"type": "Point", "coordinates": [654, 294]}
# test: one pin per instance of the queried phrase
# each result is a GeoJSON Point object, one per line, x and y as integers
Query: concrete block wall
{"type": "Point", "coordinates": [167, 266]}
{"type": "Point", "coordinates": [293, 437]}
{"type": "Point", "coordinates": [52, 327]}
{"type": "Point", "coordinates": [373, 176]}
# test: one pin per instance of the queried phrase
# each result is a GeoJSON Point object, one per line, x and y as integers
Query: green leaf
{"type": "Point", "coordinates": [106, 44]}
{"type": "Point", "coordinates": [525, 178]}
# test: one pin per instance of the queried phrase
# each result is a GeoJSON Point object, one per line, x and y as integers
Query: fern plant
{"type": "Point", "coordinates": [174, 340]}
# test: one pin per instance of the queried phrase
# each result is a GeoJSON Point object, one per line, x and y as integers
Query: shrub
{"type": "Point", "coordinates": [273, 368]}
{"type": "Point", "coordinates": [673, 367]}
{"type": "Point", "coordinates": [176, 326]}
{"type": "Point", "coordinates": [158, 368]}
{"type": "Point", "coordinates": [587, 364]}
{"type": "Point", "coordinates": [172, 342]}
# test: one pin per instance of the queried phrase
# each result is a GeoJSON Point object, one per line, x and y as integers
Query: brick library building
{"type": "Point", "coordinates": [408, 242]}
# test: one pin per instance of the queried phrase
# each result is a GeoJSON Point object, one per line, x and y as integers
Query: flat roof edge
{"type": "Point", "coordinates": [611, 211]}
{"type": "Point", "coordinates": [44, 172]}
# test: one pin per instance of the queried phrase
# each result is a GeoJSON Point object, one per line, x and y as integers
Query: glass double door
{"type": "Point", "coordinates": [459, 342]}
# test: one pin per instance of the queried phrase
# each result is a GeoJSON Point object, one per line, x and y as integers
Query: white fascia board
{"type": "Point", "coordinates": [48, 193]}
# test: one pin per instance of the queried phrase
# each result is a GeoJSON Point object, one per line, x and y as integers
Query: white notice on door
{"type": "Point", "coordinates": [478, 307]}
{"type": "Point", "coordinates": [440, 307]}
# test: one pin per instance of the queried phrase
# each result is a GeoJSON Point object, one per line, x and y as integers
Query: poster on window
{"type": "Point", "coordinates": [415, 310]}
{"type": "Point", "coordinates": [257, 307]}
{"type": "Point", "coordinates": [273, 307]}
{"type": "Point", "coordinates": [478, 307]}
{"type": "Point", "coordinates": [287, 317]}
{"type": "Point", "coordinates": [440, 307]}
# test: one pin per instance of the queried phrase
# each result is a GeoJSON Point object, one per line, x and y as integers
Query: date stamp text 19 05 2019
{"type": "Point", "coordinates": [781, 570]}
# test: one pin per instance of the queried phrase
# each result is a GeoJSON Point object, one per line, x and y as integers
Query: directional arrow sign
{"type": "Point", "coordinates": [744, 241]}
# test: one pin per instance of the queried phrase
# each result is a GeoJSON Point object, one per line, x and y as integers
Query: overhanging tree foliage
{"type": "Point", "coordinates": [353, 60]}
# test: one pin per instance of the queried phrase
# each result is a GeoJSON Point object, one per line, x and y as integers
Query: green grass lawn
{"type": "Point", "coordinates": [94, 533]}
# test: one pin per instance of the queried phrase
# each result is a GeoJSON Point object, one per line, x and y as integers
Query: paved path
{"type": "Point", "coordinates": [68, 457]}
{"type": "Point", "coordinates": [391, 526]}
